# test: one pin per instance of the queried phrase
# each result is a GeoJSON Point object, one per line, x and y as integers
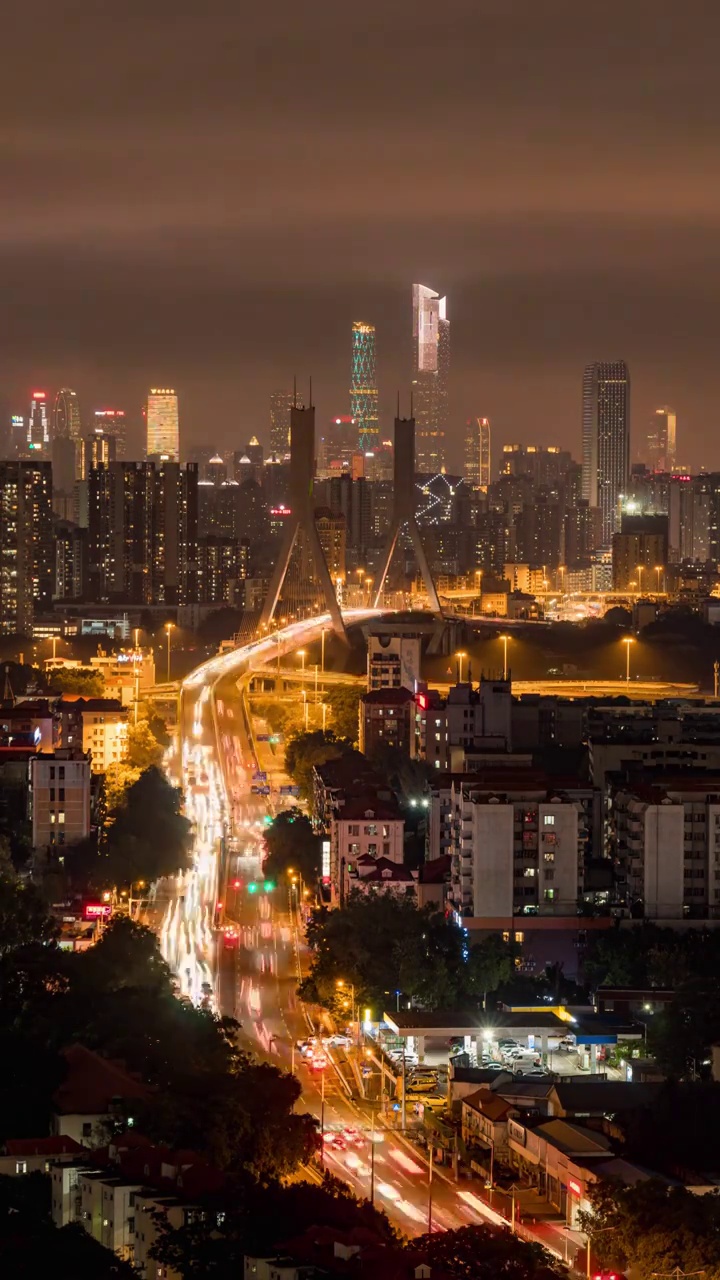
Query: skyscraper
{"type": "Point", "coordinates": [431, 366]}
{"type": "Point", "coordinates": [280, 406]}
{"type": "Point", "coordinates": [38, 426]}
{"type": "Point", "coordinates": [113, 422]}
{"type": "Point", "coordinates": [477, 453]}
{"type": "Point", "coordinates": [162, 424]}
{"type": "Point", "coordinates": [606, 440]}
{"type": "Point", "coordinates": [27, 563]}
{"type": "Point", "coordinates": [363, 386]}
{"type": "Point", "coordinates": [662, 440]}
{"type": "Point", "coordinates": [66, 415]}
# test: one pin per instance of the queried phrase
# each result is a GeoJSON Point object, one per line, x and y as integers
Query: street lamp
{"type": "Point", "coordinates": [658, 570]}
{"type": "Point", "coordinates": [461, 656]}
{"type": "Point", "coordinates": [640, 571]}
{"type": "Point", "coordinates": [505, 640]}
{"type": "Point", "coordinates": [341, 983]}
{"type": "Point", "coordinates": [301, 653]}
{"type": "Point", "coordinates": [627, 641]}
{"type": "Point", "coordinates": [168, 627]}
{"type": "Point", "coordinates": [590, 1237]}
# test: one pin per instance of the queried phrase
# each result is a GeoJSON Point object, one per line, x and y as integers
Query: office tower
{"type": "Point", "coordinates": [17, 436]}
{"type": "Point", "coordinates": [174, 534]}
{"type": "Point", "coordinates": [477, 453]}
{"type": "Point", "coordinates": [216, 470]}
{"type": "Point", "coordinates": [363, 386]}
{"type": "Point", "coordinates": [332, 533]}
{"type": "Point", "coordinates": [119, 527]}
{"type": "Point", "coordinates": [606, 440]}
{"type": "Point", "coordinates": [662, 440]}
{"type": "Point", "coordinates": [431, 364]}
{"type": "Point", "coordinates": [38, 426]}
{"type": "Point", "coordinates": [27, 564]}
{"type": "Point", "coordinates": [114, 423]}
{"type": "Point", "coordinates": [63, 452]}
{"type": "Point", "coordinates": [70, 561]}
{"type": "Point", "coordinates": [280, 406]}
{"type": "Point", "coordinates": [546, 465]}
{"type": "Point", "coordinates": [95, 448]}
{"type": "Point", "coordinates": [66, 415]}
{"type": "Point", "coordinates": [162, 424]}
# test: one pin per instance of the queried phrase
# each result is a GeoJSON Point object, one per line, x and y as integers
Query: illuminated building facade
{"type": "Point", "coordinates": [606, 440]}
{"type": "Point", "coordinates": [114, 423]}
{"type": "Point", "coordinates": [162, 424]}
{"type": "Point", "coordinates": [280, 406]}
{"type": "Point", "coordinates": [27, 552]}
{"type": "Point", "coordinates": [363, 387]}
{"type": "Point", "coordinates": [477, 453]}
{"type": "Point", "coordinates": [431, 367]}
{"type": "Point", "coordinates": [662, 440]}
{"type": "Point", "coordinates": [38, 426]}
{"type": "Point", "coordinates": [66, 415]}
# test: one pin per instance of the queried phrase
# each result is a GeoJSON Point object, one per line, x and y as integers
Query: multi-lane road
{"type": "Point", "coordinates": [252, 972]}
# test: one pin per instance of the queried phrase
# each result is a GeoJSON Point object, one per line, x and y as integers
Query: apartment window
{"type": "Point", "coordinates": [131, 1225]}
{"type": "Point", "coordinates": [21, 1166]}
{"type": "Point", "coordinates": [549, 895]}
{"type": "Point", "coordinates": [549, 857]}
{"type": "Point", "coordinates": [372, 850]}
{"type": "Point", "coordinates": [386, 833]}
{"type": "Point", "coordinates": [52, 772]}
{"type": "Point", "coordinates": [386, 849]}
{"type": "Point", "coordinates": [61, 794]}
{"type": "Point", "coordinates": [87, 1129]}
{"type": "Point", "coordinates": [52, 795]}
{"type": "Point", "coordinates": [371, 830]}
{"type": "Point", "coordinates": [353, 848]}
{"type": "Point", "coordinates": [549, 820]}
{"type": "Point", "coordinates": [61, 816]}
{"type": "Point", "coordinates": [61, 773]}
{"type": "Point", "coordinates": [550, 875]}
{"type": "Point", "coordinates": [354, 829]}
{"type": "Point", "coordinates": [519, 937]}
{"type": "Point", "coordinates": [506, 936]}
{"type": "Point", "coordinates": [530, 871]}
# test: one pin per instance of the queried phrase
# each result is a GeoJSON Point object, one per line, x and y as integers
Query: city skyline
{"type": "Point", "coordinates": [550, 258]}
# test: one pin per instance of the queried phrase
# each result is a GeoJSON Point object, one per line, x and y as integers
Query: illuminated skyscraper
{"type": "Point", "coordinates": [606, 440]}
{"type": "Point", "coordinates": [162, 424]}
{"type": "Point", "coordinates": [26, 537]}
{"type": "Point", "coordinates": [38, 426]}
{"type": "Point", "coordinates": [280, 406]}
{"type": "Point", "coordinates": [66, 415]}
{"type": "Point", "coordinates": [363, 386]}
{"type": "Point", "coordinates": [431, 367]}
{"type": "Point", "coordinates": [113, 422]}
{"type": "Point", "coordinates": [662, 440]}
{"type": "Point", "coordinates": [477, 453]}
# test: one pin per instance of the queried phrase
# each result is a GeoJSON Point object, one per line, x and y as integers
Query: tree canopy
{"type": "Point", "coordinates": [83, 680]}
{"type": "Point", "coordinates": [344, 701]}
{"type": "Point", "coordinates": [653, 1228]}
{"type": "Point", "coordinates": [486, 1252]}
{"type": "Point", "coordinates": [305, 750]}
{"type": "Point", "coordinates": [149, 837]}
{"type": "Point", "coordinates": [291, 842]}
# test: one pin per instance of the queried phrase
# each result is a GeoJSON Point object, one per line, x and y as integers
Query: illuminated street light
{"type": "Point", "coordinates": [301, 654]}
{"type": "Point", "coordinates": [505, 640]}
{"type": "Point", "coordinates": [659, 568]}
{"type": "Point", "coordinates": [640, 571]}
{"type": "Point", "coordinates": [168, 627]}
{"type": "Point", "coordinates": [461, 656]}
{"type": "Point", "coordinates": [627, 641]}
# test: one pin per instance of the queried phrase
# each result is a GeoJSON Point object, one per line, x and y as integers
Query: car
{"type": "Point", "coordinates": [319, 1062]}
{"type": "Point", "coordinates": [422, 1086]}
{"type": "Point", "coordinates": [537, 1073]}
{"type": "Point", "coordinates": [508, 1044]}
{"type": "Point", "coordinates": [434, 1101]}
{"type": "Point", "coordinates": [353, 1135]}
{"type": "Point", "coordinates": [494, 1066]}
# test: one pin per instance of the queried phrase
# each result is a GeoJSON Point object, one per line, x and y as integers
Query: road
{"type": "Point", "coordinates": [254, 974]}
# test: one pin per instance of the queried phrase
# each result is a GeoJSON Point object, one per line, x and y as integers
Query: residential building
{"type": "Point", "coordinates": [223, 566]}
{"type": "Point", "coordinates": [332, 535]}
{"type": "Point", "coordinates": [363, 387]}
{"type": "Point", "coordinates": [93, 1092]}
{"type": "Point", "coordinates": [29, 723]}
{"type": "Point", "coordinates": [113, 422]}
{"type": "Point", "coordinates": [544, 466]}
{"type": "Point", "coordinates": [174, 550]}
{"type": "Point", "coordinates": [393, 660]}
{"type": "Point", "coordinates": [431, 361]}
{"type": "Point", "coordinates": [468, 718]}
{"type": "Point", "coordinates": [335, 780]}
{"type": "Point", "coordinates": [484, 1119]}
{"type": "Point", "coordinates": [97, 725]}
{"type": "Point", "coordinates": [19, 1156]}
{"type": "Point", "coordinates": [27, 559]}
{"type": "Point", "coordinates": [59, 797]}
{"type": "Point", "coordinates": [662, 440]}
{"type": "Point", "coordinates": [162, 424]}
{"type": "Point", "coordinates": [606, 440]}
{"type": "Point", "coordinates": [640, 552]}
{"type": "Point", "coordinates": [387, 719]}
{"type": "Point", "coordinates": [477, 454]}
{"type": "Point", "coordinates": [363, 828]}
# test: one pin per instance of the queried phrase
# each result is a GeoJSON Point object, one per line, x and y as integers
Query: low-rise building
{"type": "Point", "coordinates": [35, 1155]}
{"type": "Point", "coordinates": [97, 725]}
{"type": "Point", "coordinates": [59, 797]}
{"type": "Point", "coordinates": [363, 830]}
{"type": "Point", "coordinates": [29, 723]}
{"type": "Point", "coordinates": [387, 719]}
{"type": "Point", "coordinates": [94, 1092]}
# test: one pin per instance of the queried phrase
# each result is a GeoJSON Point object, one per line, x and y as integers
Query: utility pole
{"type": "Point", "coordinates": [716, 676]}
{"type": "Point", "coordinates": [430, 1182]}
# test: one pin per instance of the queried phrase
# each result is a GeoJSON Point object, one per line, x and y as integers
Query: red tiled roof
{"type": "Point", "coordinates": [92, 1082]}
{"type": "Point", "coordinates": [489, 1103]}
{"type": "Point", "coordinates": [436, 870]}
{"type": "Point", "coordinates": [60, 1145]}
{"type": "Point", "coordinates": [387, 697]}
{"type": "Point", "coordinates": [359, 806]}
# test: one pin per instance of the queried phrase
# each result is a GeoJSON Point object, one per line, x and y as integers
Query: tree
{"type": "Point", "coordinates": [221, 624]}
{"type": "Point", "coordinates": [82, 680]}
{"type": "Point", "coordinates": [291, 842]}
{"type": "Point", "coordinates": [150, 837]}
{"type": "Point", "coordinates": [118, 779]}
{"type": "Point", "coordinates": [143, 749]}
{"type": "Point", "coordinates": [305, 750]}
{"type": "Point", "coordinates": [344, 703]}
{"type": "Point", "coordinates": [653, 1228]}
{"type": "Point", "coordinates": [484, 1253]}
{"type": "Point", "coordinates": [490, 964]}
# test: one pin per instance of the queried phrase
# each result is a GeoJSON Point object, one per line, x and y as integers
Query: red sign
{"type": "Point", "coordinates": [574, 1188]}
{"type": "Point", "coordinates": [97, 910]}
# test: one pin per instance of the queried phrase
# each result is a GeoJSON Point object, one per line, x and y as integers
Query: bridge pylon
{"type": "Point", "coordinates": [404, 518]}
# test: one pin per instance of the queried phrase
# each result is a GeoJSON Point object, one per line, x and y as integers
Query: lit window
{"type": "Point", "coordinates": [549, 820]}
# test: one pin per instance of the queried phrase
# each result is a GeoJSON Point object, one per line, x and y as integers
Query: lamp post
{"type": "Point", "coordinates": [640, 572]}
{"type": "Point", "coordinates": [627, 641]}
{"type": "Point", "coordinates": [374, 1138]}
{"type": "Point", "coordinates": [461, 656]}
{"type": "Point", "coordinates": [505, 640]}
{"type": "Point", "coordinates": [341, 983]}
{"type": "Point", "coordinates": [590, 1237]}
{"type": "Point", "coordinates": [430, 1182]}
{"type": "Point", "coordinates": [658, 570]}
{"type": "Point", "coordinates": [301, 653]}
{"type": "Point", "coordinates": [168, 627]}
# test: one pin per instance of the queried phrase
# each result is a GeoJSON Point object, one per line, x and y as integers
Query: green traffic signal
{"type": "Point", "coordinates": [252, 887]}
{"type": "Point", "coordinates": [269, 886]}
{"type": "Point", "coordinates": [267, 820]}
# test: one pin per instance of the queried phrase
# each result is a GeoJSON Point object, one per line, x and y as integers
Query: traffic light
{"type": "Point", "coordinates": [237, 884]}
{"type": "Point", "coordinates": [269, 886]}
{"type": "Point", "coordinates": [252, 887]}
{"type": "Point", "coordinates": [267, 820]}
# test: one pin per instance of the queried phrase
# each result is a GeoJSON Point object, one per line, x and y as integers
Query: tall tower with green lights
{"type": "Point", "coordinates": [363, 386]}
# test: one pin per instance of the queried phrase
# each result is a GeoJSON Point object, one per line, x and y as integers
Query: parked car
{"type": "Point", "coordinates": [421, 1085]}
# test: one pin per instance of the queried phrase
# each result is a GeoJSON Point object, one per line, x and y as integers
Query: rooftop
{"type": "Point", "coordinates": [93, 1082]}
{"type": "Point", "coordinates": [387, 697]}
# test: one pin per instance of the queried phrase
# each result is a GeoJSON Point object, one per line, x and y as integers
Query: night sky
{"type": "Point", "coordinates": [207, 193]}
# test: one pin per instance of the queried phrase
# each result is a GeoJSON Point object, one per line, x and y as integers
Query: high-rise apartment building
{"type": "Point", "coordinates": [162, 424]}
{"type": "Point", "coordinates": [280, 406]}
{"type": "Point", "coordinates": [662, 440]}
{"type": "Point", "coordinates": [142, 532]}
{"type": "Point", "coordinates": [606, 440]}
{"type": "Point", "coordinates": [431, 366]}
{"type": "Point", "coordinates": [363, 386]}
{"type": "Point", "coordinates": [38, 426]}
{"type": "Point", "coordinates": [27, 559]}
{"type": "Point", "coordinates": [640, 552]}
{"type": "Point", "coordinates": [66, 415]}
{"type": "Point", "coordinates": [477, 453]}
